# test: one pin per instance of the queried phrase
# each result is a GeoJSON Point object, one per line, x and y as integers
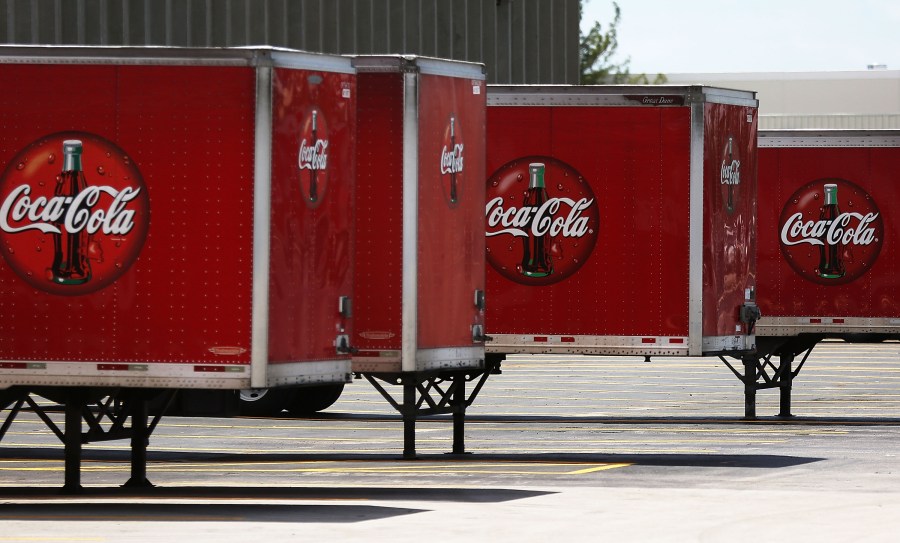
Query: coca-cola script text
{"type": "Point", "coordinates": [847, 228]}
{"type": "Point", "coordinates": [537, 221]}
{"type": "Point", "coordinates": [75, 213]}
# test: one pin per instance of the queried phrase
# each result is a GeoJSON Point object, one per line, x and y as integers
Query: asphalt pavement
{"type": "Point", "coordinates": [566, 447]}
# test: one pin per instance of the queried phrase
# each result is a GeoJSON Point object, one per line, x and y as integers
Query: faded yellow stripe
{"type": "Point", "coordinates": [598, 468]}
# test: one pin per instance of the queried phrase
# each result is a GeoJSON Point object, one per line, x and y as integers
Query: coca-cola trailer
{"type": "Point", "coordinates": [828, 240]}
{"type": "Point", "coordinates": [171, 219]}
{"type": "Point", "coordinates": [419, 305]}
{"type": "Point", "coordinates": [621, 220]}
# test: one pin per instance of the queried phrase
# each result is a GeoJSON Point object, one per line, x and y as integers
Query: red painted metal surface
{"type": "Point", "coordinates": [451, 207]}
{"type": "Point", "coordinates": [189, 132]}
{"type": "Point", "coordinates": [379, 207]}
{"type": "Point", "coordinates": [729, 226]}
{"type": "Point", "coordinates": [792, 181]}
{"type": "Point", "coordinates": [146, 203]}
{"type": "Point", "coordinates": [313, 173]}
{"type": "Point", "coordinates": [628, 274]}
{"type": "Point", "coordinates": [443, 162]}
{"type": "Point", "coordinates": [621, 211]}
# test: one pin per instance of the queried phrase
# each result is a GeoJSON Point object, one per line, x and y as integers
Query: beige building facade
{"type": "Point", "coordinates": [865, 99]}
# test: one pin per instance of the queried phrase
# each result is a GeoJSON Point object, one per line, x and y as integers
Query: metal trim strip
{"type": "Point", "coordinates": [617, 345]}
{"type": "Point", "coordinates": [175, 56]}
{"type": "Point", "coordinates": [443, 358]}
{"type": "Point", "coordinates": [312, 61]}
{"type": "Point", "coordinates": [612, 95]}
{"type": "Point", "coordinates": [695, 231]}
{"type": "Point", "coordinates": [149, 55]}
{"type": "Point", "coordinates": [439, 354]}
{"type": "Point", "coordinates": [792, 326]}
{"type": "Point", "coordinates": [262, 208]}
{"type": "Point", "coordinates": [729, 97]}
{"type": "Point", "coordinates": [828, 138]}
{"type": "Point", "coordinates": [321, 371]}
{"type": "Point", "coordinates": [588, 344]}
{"type": "Point", "coordinates": [410, 246]}
{"type": "Point", "coordinates": [451, 68]}
{"type": "Point", "coordinates": [156, 375]}
{"type": "Point", "coordinates": [423, 65]}
{"type": "Point", "coordinates": [739, 343]}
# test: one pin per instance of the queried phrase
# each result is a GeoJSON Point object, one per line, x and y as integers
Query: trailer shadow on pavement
{"type": "Point", "coordinates": [174, 459]}
{"type": "Point", "coordinates": [199, 512]}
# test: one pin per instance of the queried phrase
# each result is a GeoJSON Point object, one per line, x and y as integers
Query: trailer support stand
{"type": "Point", "coordinates": [140, 438]}
{"type": "Point", "coordinates": [106, 412]}
{"type": "Point", "coordinates": [750, 375]}
{"type": "Point", "coordinates": [442, 392]}
{"type": "Point", "coordinates": [761, 372]}
{"type": "Point", "coordinates": [75, 406]}
{"type": "Point", "coordinates": [785, 383]}
{"type": "Point", "coordinates": [409, 417]}
{"type": "Point", "coordinates": [459, 414]}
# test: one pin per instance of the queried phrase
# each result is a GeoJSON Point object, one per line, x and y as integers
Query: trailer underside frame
{"type": "Point", "coordinates": [772, 365]}
{"type": "Point", "coordinates": [433, 393]}
{"type": "Point", "coordinates": [109, 414]}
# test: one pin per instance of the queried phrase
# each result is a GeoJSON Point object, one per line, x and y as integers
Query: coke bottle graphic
{"type": "Point", "coordinates": [830, 264]}
{"type": "Point", "coordinates": [536, 260]}
{"type": "Point", "coordinates": [453, 196]}
{"type": "Point", "coordinates": [313, 172]}
{"type": "Point", "coordinates": [730, 204]}
{"type": "Point", "coordinates": [70, 249]}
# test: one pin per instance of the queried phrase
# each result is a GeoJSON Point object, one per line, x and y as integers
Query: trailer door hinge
{"type": "Point", "coordinates": [345, 307]}
{"type": "Point", "coordinates": [478, 334]}
{"type": "Point", "coordinates": [479, 299]}
{"type": "Point", "coordinates": [342, 345]}
{"type": "Point", "coordinates": [750, 313]}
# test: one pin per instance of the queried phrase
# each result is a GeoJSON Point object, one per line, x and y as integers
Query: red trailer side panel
{"type": "Point", "coordinates": [145, 241]}
{"type": "Point", "coordinates": [642, 255]}
{"type": "Point", "coordinates": [379, 225]}
{"type": "Point", "coordinates": [451, 192]}
{"type": "Point", "coordinates": [623, 276]}
{"type": "Point", "coordinates": [799, 242]}
{"type": "Point", "coordinates": [420, 244]}
{"type": "Point", "coordinates": [144, 128]}
{"type": "Point", "coordinates": [312, 210]}
{"type": "Point", "coordinates": [729, 229]}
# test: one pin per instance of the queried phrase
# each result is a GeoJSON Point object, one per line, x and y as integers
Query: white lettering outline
{"type": "Point", "coordinates": [73, 212]}
{"type": "Point", "coordinates": [530, 221]}
{"type": "Point", "coordinates": [795, 232]}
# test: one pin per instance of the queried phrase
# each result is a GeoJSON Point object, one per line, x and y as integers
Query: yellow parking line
{"type": "Point", "coordinates": [431, 468]}
{"type": "Point", "coordinates": [597, 468]}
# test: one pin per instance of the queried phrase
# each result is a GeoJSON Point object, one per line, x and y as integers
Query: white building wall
{"type": "Point", "coordinates": [867, 99]}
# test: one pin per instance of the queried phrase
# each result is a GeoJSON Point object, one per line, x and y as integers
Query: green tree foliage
{"type": "Point", "coordinates": [597, 49]}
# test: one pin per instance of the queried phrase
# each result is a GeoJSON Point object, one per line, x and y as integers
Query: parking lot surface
{"type": "Point", "coordinates": [580, 448]}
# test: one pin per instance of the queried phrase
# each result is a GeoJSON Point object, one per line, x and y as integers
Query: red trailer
{"type": "Point", "coordinates": [621, 220]}
{"type": "Point", "coordinates": [172, 219]}
{"type": "Point", "coordinates": [419, 307]}
{"type": "Point", "coordinates": [827, 245]}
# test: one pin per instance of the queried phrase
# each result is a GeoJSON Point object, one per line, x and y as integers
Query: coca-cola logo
{"type": "Point", "coordinates": [74, 213]}
{"type": "Point", "coordinates": [730, 174]}
{"type": "Point", "coordinates": [312, 158]}
{"type": "Point", "coordinates": [831, 231]}
{"type": "Point", "coordinates": [452, 162]}
{"type": "Point", "coordinates": [539, 235]}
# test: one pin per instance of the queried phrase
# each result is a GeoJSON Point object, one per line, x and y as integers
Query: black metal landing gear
{"type": "Point", "coordinates": [761, 372]}
{"type": "Point", "coordinates": [433, 393]}
{"type": "Point", "coordinates": [106, 413]}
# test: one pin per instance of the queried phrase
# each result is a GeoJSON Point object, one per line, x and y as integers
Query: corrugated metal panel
{"type": "Point", "coordinates": [847, 121]}
{"type": "Point", "coordinates": [520, 41]}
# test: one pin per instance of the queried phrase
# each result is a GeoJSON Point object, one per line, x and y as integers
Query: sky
{"type": "Point", "coordinates": [714, 36]}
